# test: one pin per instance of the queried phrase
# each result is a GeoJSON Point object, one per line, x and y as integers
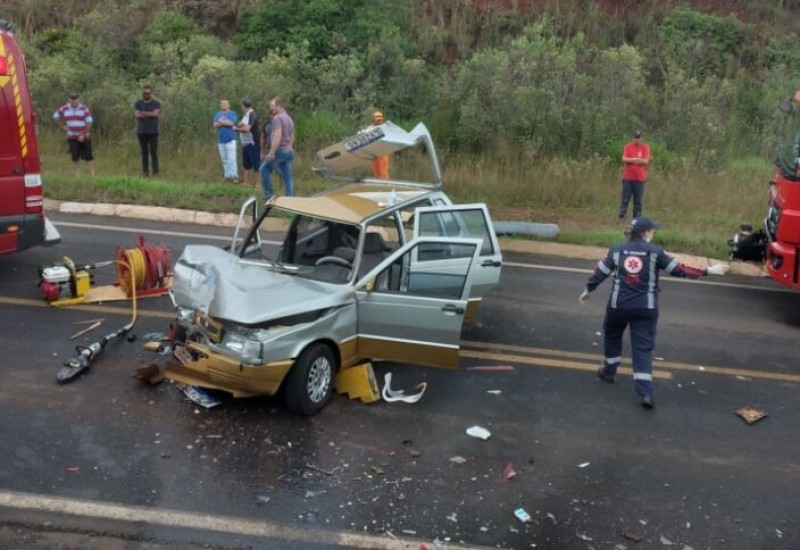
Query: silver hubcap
{"type": "Point", "coordinates": [319, 379]}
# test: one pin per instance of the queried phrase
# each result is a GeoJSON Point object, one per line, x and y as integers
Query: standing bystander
{"type": "Point", "coordinates": [146, 112]}
{"type": "Point", "coordinates": [249, 135]}
{"type": "Point", "coordinates": [265, 141]}
{"type": "Point", "coordinates": [380, 166]}
{"type": "Point", "coordinates": [281, 149]}
{"type": "Point", "coordinates": [224, 122]}
{"type": "Point", "coordinates": [633, 301]}
{"type": "Point", "coordinates": [636, 160]}
{"type": "Point", "coordinates": [76, 120]}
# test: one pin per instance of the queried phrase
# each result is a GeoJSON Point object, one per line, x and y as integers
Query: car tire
{"type": "Point", "coordinates": [309, 384]}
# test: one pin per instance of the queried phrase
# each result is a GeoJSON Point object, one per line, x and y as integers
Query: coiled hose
{"type": "Point", "coordinates": [146, 265]}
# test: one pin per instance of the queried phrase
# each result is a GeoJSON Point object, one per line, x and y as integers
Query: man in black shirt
{"type": "Point", "coordinates": [146, 111]}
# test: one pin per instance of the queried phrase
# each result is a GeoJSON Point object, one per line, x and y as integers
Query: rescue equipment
{"type": "Point", "coordinates": [141, 271]}
{"type": "Point", "coordinates": [67, 284]}
{"type": "Point", "coordinates": [87, 354]}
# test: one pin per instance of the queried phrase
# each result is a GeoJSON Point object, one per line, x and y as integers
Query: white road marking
{"type": "Point", "coordinates": [205, 522]}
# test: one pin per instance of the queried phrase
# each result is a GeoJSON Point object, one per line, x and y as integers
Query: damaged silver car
{"type": "Point", "coordinates": [369, 269]}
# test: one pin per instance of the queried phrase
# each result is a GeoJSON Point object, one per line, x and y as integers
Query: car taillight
{"type": "Point", "coordinates": [33, 194]}
{"type": "Point", "coordinates": [3, 65]}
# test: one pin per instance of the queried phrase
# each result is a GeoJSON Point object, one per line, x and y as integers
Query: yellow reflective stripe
{"type": "Point", "coordinates": [3, 79]}
{"type": "Point", "coordinates": [23, 133]}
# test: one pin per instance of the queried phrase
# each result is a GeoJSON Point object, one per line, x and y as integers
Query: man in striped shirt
{"type": "Point", "coordinates": [634, 266]}
{"type": "Point", "coordinates": [76, 120]}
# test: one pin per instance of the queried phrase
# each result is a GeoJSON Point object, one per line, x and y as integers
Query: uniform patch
{"type": "Point", "coordinates": [633, 264]}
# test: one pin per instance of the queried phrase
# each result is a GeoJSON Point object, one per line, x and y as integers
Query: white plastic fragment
{"type": "Point", "coordinates": [479, 432]}
{"type": "Point", "coordinates": [522, 515]}
{"type": "Point", "coordinates": [494, 392]}
{"type": "Point", "coordinates": [665, 541]}
{"type": "Point", "coordinates": [583, 464]}
{"type": "Point", "coordinates": [458, 459]}
{"type": "Point", "coordinates": [389, 395]}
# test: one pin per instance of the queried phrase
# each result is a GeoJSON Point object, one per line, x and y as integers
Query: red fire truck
{"type": "Point", "coordinates": [22, 220]}
{"type": "Point", "coordinates": [778, 242]}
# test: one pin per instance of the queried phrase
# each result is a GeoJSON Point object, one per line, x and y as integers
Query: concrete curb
{"type": "Point", "coordinates": [548, 248]}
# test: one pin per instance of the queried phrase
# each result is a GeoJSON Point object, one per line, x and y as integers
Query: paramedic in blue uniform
{"type": "Point", "coordinates": [634, 266]}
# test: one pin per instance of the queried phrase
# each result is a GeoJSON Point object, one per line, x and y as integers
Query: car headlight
{"type": "Point", "coordinates": [248, 348]}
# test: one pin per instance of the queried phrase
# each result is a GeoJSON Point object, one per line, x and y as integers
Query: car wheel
{"type": "Point", "coordinates": [310, 382]}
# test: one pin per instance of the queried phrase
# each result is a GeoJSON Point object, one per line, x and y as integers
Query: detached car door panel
{"type": "Point", "coordinates": [411, 307]}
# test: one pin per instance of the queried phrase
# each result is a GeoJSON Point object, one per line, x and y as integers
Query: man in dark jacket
{"type": "Point", "coordinates": [146, 112]}
{"type": "Point", "coordinates": [633, 301]}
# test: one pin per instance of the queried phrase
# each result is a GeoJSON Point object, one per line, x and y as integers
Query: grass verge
{"type": "Point", "coordinates": [699, 210]}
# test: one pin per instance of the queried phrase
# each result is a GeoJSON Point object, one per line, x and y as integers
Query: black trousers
{"type": "Point", "coordinates": [149, 146]}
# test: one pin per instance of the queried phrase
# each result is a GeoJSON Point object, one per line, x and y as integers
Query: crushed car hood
{"type": "Point", "coordinates": [211, 280]}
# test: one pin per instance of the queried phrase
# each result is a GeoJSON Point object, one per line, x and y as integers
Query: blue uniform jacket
{"type": "Point", "coordinates": [635, 265]}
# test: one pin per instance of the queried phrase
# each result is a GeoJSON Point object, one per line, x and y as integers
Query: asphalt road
{"type": "Point", "coordinates": [109, 462]}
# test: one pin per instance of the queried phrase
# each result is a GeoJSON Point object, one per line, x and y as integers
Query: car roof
{"type": "Point", "coordinates": [352, 203]}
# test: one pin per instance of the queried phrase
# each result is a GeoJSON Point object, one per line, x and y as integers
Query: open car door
{"type": "Point", "coordinates": [465, 221]}
{"type": "Point", "coordinates": [411, 306]}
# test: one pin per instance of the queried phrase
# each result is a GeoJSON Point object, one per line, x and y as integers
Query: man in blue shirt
{"type": "Point", "coordinates": [633, 301]}
{"type": "Point", "coordinates": [225, 121]}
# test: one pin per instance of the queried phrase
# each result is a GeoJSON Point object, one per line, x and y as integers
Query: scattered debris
{"type": "Point", "coordinates": [389, 395]}
{"type": "Point", "coordinates": [500, 368]}
{"type": "Point", "coordinates": [750, 414]}
{"type": "Point", "coordinates": [630, 535]}
{"type": "Point", "coordinates": [154, 336]}
{"type": "Point", "coordinates": [658, 358]}
{"type": "Point", "coordinates": [413, 453]}
{"type": "Point", "coordinates": [452, 517]}
{"type": "Point", "coordinates": [458, 459]}
{"type": "Point", "coordinates": [522, 515]}
{"type": "Point", "coordinates": [151, 373]}
{"type": "Point", "coordinates": [73, 469]}
{"type": "Point", "coordinates": [583, 464]}
{"type": "Point", "coordinates": [93, 324]}
{"type": "Point", "coordinates": [494, 392]}
{"type": "Point", "coordinates": [479, 432]}
{"type": "Point", "coordinates": [262, 499]}
{"type": "Point", "coordinates": [508, 471]}
{"type": "Point", "coordinates": [320, 470]}
{"type": "Point", "coordinates": [701, 367]}
{"type": "Point", "coordinates": [378, 470]}
{"type": "Point", "coordinates": [665, 541]}
{"type": "Point", "coordinates": [584, 537]}
{"type": "Point", "coordinates": [551, 516]}
{"type": "Point", "coordinates": [200, 397]}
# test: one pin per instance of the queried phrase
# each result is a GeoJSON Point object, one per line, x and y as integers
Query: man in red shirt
{"type": "Point", "coordinates": [636, 159]}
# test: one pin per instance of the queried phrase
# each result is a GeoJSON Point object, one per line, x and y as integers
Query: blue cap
{"type": "Point", "coordinates": [643, 223]}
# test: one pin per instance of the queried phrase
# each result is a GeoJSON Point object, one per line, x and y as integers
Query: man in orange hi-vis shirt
{"type": "Point", "coordinates": [380, 166]}
{"type": "Point", "coordinates": [636, 158]}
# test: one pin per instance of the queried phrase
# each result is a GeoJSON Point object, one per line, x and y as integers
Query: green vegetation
{"type": "Point", "coordinates": [530, 102]}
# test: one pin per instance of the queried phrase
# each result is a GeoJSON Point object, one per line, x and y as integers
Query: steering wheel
{"type": "Point", "coordinates": [334, 260]}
